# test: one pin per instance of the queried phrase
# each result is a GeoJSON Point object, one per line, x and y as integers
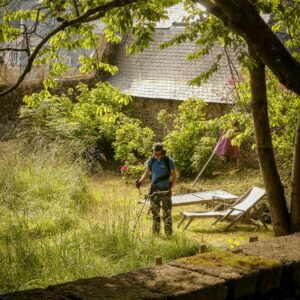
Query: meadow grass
{"type": "Point", "coordinates": [236, 181]}
{"type": "Point", "coordinates": [58, 226]}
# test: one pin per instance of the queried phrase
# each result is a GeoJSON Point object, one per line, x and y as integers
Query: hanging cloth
{"type": "Point", "coordinates": [225, 148]}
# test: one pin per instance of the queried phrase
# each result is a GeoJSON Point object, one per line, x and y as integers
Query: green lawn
{"type": "Point", "coordinates": [200, 231]}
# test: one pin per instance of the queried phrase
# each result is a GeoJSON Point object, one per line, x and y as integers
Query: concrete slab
{"type": "Point", "coordinates": [241, 281]}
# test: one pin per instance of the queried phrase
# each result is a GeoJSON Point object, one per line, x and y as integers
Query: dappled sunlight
{"type": "Point", "coordinates": [200, 231]}
{"type": "Point", "coordinates": [85, 227]}
{"type": "Point", "coordinates": [80, 227]}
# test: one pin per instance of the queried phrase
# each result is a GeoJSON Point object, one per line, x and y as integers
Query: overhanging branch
{"type": "Point", "coordinates": [243, 17]}
{"type": "Point", "coordinates": [100, 11]}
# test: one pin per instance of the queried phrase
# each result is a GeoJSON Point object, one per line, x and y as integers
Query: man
{"type": "Point", "coordinates": [161, 169]}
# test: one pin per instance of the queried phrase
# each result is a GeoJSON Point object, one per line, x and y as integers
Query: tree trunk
{"type": "Point", "coordinates": [259, 108]}
{"type": "Point", "coordinates": [295, 195]}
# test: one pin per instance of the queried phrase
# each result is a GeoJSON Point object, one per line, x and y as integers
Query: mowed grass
{"type": "Point", "coordinates": [200, 232]}
{"type": "Point", "coordinates": [236, 182]}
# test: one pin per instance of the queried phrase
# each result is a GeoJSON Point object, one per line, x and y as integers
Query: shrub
{"type": "Point", "coordinates": [134, 171]}
{"type": "Point", "coordinates": [193, 138]}
{"type": "Point", "coordinates": [187, 143]}
{"type": "Point", "coordinates": [87, 117]}
{"type": "Point", "coordinates": [201, 154]}
{"type": "Point", "coordinates": [133, 143]}
{"type": "Point", "coordinates": [92, 120]}
{"type": "Point", "coordinates": [283, 111]}
{"type": "Point", "coordinates": [132, 147]}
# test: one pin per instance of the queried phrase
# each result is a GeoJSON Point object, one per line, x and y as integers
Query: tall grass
{"type": "Point", "coordinates": [56, 227]}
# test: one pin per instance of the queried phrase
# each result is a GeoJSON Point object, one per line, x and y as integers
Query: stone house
{"type": "Point", "coordinates": [158, 79]}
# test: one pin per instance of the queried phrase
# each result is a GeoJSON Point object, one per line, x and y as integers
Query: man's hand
{"type": "Point", "coordinates": [138, 183]}
{"type": "Point", "coordinates": [170, 185]}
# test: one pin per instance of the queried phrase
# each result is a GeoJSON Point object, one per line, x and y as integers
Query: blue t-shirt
{"type": "Point", "coordinates": [159, 168]}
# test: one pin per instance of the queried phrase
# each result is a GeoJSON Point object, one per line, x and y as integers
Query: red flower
{"type": "Point", "coordinates": [123, 168]}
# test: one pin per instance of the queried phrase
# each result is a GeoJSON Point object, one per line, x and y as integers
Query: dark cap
{"type": "Point", "coordinates": [158, 147]}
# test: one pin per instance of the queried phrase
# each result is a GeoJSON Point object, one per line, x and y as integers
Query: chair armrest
{"type": "Point", "coordinates": [216, 205]}
{"type": "Point", "coordinates": [219, 197]}
{"type": "Point", "coordinates": [223, 203]}
{"type": "Point", "coordinates": [219, 205]}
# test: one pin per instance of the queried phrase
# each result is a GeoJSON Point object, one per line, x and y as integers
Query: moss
{"type": "Point", "coordinates": [227, 259]}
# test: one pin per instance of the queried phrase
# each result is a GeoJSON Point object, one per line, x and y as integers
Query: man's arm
{"type": "Point", "coordinates": [173, 177]}
{"type": "Point", "coordinates": [144, 176]}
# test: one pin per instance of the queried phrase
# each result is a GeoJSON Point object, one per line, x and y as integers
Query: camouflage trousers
{"type": "Point", "coordinates": [156, 202]}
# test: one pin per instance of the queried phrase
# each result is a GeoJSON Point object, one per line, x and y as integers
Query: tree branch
{"type": "Point", "coordinates": [100, 10]}
{"type": "Point", "coordinates": [76, 7]}
{"type": "Point", "coordinates": [243, 17]}
{"type": "Point", "coordinates": [36, 22]}
{"type": "Point", "coordinates": [13, 49]}
{"type": "Point", "coordinates": [27, 41]}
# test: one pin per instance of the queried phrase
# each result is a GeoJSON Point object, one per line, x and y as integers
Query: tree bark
{"type": "Point", "coordinates": [259, 109]}
{"type": "Point", "coordinates": [295, 194]}
{"type": "Point", "coordinates": [243, 17]}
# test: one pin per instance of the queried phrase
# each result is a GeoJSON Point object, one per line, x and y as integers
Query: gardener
{"type": "Point", "coordinates": [161, 169]}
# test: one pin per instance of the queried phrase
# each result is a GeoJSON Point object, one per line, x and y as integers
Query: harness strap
{"type": "Point", "coordinates": [162, 177]}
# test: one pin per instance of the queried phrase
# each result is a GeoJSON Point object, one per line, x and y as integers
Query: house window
{"type": "Point", "coordinates": [68, 60]}
{"type": "Point", "coordinates": [14, 58]}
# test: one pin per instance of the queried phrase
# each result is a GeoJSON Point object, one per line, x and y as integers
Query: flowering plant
{"type": "Point", "coordinates": [123, 169]}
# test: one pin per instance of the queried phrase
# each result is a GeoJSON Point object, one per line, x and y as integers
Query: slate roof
{"type": "Point", "coordinates": [175, 14]}
{"type": "Point", "coordinates": [164, 74]}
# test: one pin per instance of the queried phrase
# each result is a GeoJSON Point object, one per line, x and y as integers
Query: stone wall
{"type": "Point", "coordinates": [147, 110]}
{"type": "Point", "coordinates": [144, 109]}
{"type": "Point", "coordinates": [275, 275]}
{"type": "Point", "coordinates": [10, 103]}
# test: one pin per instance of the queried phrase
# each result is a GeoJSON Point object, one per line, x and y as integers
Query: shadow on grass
{"type": "Point", "coordinates": [220, 229]}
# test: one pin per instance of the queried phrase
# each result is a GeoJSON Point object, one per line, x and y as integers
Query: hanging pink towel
{"type": "Point", "coordinates": [224, 148]}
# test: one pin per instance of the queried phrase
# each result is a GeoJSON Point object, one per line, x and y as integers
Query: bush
{"type": "Point", "coordinates": [193, 139]}
{"type": "Point", "coordinates": [283, 112]}
{"type": "Point", "coordinates": [92, 120]}
{"type": "Point", "coordinates": [201, 154]}
{"type": "Point", "coordinates": [88, 117]}
{"type": "Point", "coordinates": [132, 147]}
{"type": "Point", "coordinates": [134, 171]}
{"type": "Point", "coordinates": [133, 143]}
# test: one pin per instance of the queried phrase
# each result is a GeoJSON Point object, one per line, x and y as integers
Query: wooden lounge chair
{"type": "Point", "coordinates": [234, 213]}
